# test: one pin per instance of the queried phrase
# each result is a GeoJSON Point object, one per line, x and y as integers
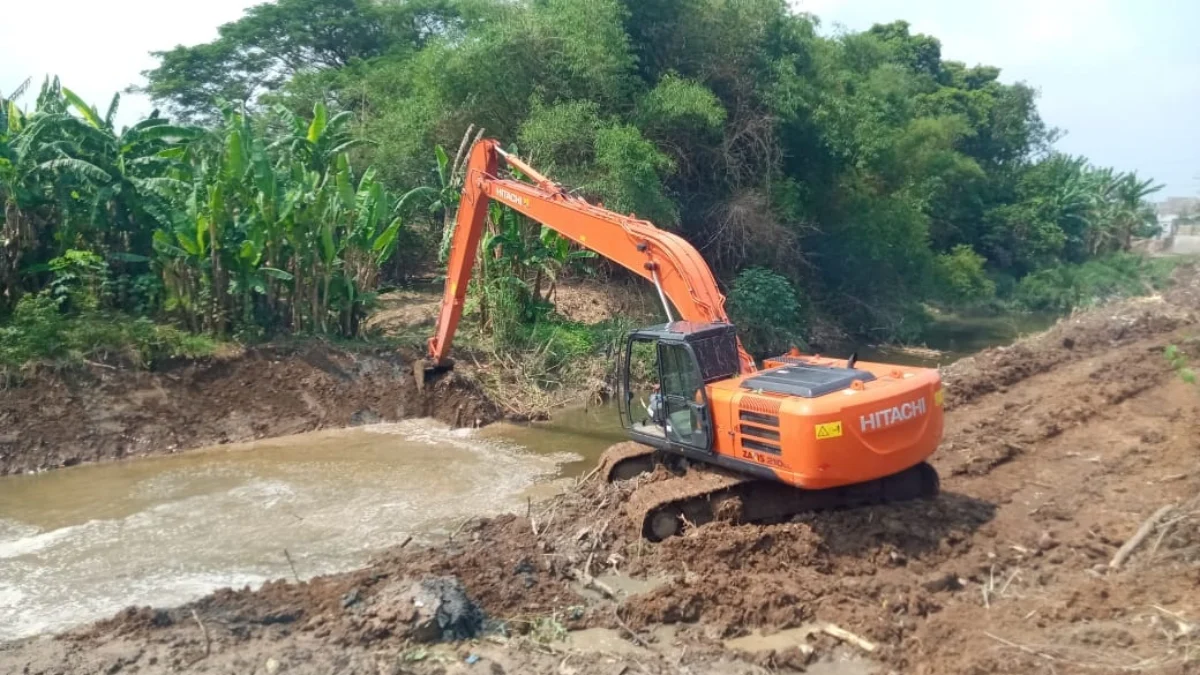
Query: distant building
{"type": "Point", "coordinates": [1172, 209]}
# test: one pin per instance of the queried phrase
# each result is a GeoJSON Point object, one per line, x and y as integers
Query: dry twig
{"type": "Point", "coordinates": [589, 476]}
{"type": "Point", "coordinates": [204, 632]}
{"type": "Point", "coordinates": [1027, 650]}
{"type": "Point", "coordinates": [589, 581]}
{"type": "Point", "coordinates": [460, 527]}
{"type": "Point", "coordinates": [846, 636]}
{"type": "Point", "coordinates": [1138, 537]}
{"type": "Point", "coordinates": [291, 565]}
{"type": "Point", "coordinates": [640, 642]}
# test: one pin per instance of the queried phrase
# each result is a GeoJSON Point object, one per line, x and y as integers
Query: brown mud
{"type": "Point", "coordinates": [101, 413]}
{"type": "Point", "coordinates": [1057, 449]}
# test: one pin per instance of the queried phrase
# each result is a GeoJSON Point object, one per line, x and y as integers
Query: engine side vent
{"type": "Point", "coordinates": [756, 418]}
{"type": "Point", "coordinates": [758, 427]}
{"type": "Point", "coordinates": [759, 404]}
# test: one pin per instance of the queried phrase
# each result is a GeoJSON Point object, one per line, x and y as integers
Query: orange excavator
{"type": "Point", "coordinates": [802, 433]}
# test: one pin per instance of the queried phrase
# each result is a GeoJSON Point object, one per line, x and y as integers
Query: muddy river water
{"type": "Point", "coordinates": [82, 543]}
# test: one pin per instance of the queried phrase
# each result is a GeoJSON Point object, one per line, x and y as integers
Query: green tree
{"type": "Point", "coordinates": [862, 166]}
{"type": "Point", "coordinates": [261, 51]}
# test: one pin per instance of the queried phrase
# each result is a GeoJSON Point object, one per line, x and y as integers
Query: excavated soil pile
{"type": "Point", "coordinates": [62, 419]}
{"type": "Point", "coordinates": [1058, 449]}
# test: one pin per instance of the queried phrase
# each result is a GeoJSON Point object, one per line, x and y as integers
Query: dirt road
{"type": "Point", "coordinates": [1057, 450]}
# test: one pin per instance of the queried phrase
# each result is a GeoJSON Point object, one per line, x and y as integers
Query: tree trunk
{"type": "Point", "coordinates": [218, 286]}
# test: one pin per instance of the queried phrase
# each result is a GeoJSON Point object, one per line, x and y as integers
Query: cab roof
{"type": "Point", "coordinates": [685, 331]}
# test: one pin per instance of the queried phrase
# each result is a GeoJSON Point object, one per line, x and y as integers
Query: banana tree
{"type": "Point", "coordinates": [14, 227]}
{"type": "Point", "coordinates": [554, 253]}
{"type": "Point", "coordinates": [342, 231]}
{"type": "Point", "coordinates": [317, 142]}
{"type": "Point", "coordinates": [115, 188]}
{"type": "Point", "coordinates": [1135, 215]}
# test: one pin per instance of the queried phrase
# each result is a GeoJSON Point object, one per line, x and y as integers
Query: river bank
{"type": "Point", "coordinates": [97, 413]}
{"type": "Point", "coordinates": [1057, 449]}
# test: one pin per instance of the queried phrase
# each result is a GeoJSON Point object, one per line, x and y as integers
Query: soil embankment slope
{"type": "Point", "coordinates": [76, 416]}
{"type": "Point", "coordinates": [1057, 449]}
{"type": "Point", "coordinates": [100, 412]}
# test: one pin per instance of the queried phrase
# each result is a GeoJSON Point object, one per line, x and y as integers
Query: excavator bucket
{"type": "Point", "coordinates": [425, 370]}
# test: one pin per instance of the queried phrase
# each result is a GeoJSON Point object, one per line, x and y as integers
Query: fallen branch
{"type": "Point", "coordinates": [1138, 537]}
{"type": "Point", "coordinates": [640, 642]}
{"type": "Point", "coordinates": [459, 528]}
{"type": "Point", "coordinates": [204, 632]}
{"type": "Point", "coordinates": [588, 477]}
{"type": "Point", "coordinates": [846, 636]}
{"type": "Point", "coordinates": [291, 565]}
{"type": "Point", "coordinates": [589, 581]}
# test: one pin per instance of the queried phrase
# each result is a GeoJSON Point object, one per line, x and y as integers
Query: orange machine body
{"type": "Point", "coordinates": [867, 431]}
{"type": "Point", "coordinates": [879, 420]}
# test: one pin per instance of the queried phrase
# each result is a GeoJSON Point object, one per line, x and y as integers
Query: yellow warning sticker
{"type": "Point", "coordinates": [939, 396]}
{"type": "Point", "coordinates": [829, 430]}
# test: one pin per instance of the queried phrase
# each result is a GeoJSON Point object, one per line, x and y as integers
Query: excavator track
{"type": "Point", "coordinates": [704, 493]}
{"type": "Point", "coordinates": [627, 460]}
{"type": "Point", "coordinates": [661, 509]}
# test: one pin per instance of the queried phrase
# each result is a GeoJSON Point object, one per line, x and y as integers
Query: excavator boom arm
{"type": "Point", "coordinates": [661, 257]}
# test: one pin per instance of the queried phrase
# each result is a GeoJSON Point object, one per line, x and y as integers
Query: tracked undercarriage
{"type": "Point", "coordinates": [701, 493]}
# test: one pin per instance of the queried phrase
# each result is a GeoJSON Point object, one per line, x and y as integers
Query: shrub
{"type": "Point", "coordinates": [960, 277]}
{"type": "Point", "coordinates": [41, 331]}
{"type": "Point", "coordinates": [767, 311]}
{"type": "Point", "coordinates": [1181, 363]}
{"type": "Point", "coordinates": [1066, 287]}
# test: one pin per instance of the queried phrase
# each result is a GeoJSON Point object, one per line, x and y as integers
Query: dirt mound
{"type": "Point", "coordinates": [100, 413]}
{"type": "Point", "coordinates": [1080, 336]}
{"type": "Point", "coordinates": [1072, 339]}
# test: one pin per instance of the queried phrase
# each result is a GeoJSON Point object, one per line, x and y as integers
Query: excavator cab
{"type": "Point", "coordinates": [662, 398]}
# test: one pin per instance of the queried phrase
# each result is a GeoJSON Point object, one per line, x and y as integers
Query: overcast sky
{"type": "Point", "coordinates": [1122, 77]}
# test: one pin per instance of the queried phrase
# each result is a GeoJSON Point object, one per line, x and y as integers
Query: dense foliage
{"type": "Point", "coordinates": [1066, 287]}
{"type": "Point", "coordinates": [69, 322]}
{"type": "Point", "coordinates": [254, 225]}
{"type": "Point", "coordinates": [766, 310]}
{"type": "Point", "coordinates": [862, 168]}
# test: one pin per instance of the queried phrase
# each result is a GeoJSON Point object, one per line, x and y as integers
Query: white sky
{"type": "Point", "coordinates": [99, 48]}
{"type": "Point", "coordinates": [1121, 76]}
